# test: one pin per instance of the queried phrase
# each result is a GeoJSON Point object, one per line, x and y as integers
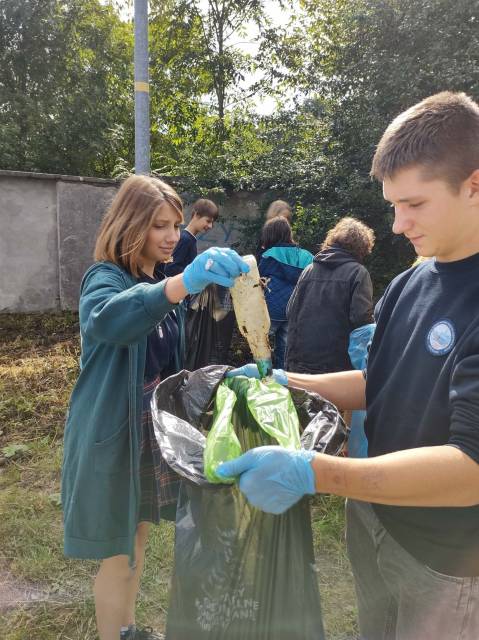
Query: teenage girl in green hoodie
{"type": "Point", "coordinates": [114, 480]}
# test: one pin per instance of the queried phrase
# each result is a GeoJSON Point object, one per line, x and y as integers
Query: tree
{"type": "Point", "coordinates": [366, 61]}
{"type": "Point", "coordinates": [223, 20]}
{"type": "Point", "coordinates": [65, 86]}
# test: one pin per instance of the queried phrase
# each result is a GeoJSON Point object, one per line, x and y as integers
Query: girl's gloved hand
{"type": "Point", "coordinates": [220, 266]}
{"type": "Point", "coordinates": [272, 478]}
{"type": "Point", "coordinates": [251, 371]}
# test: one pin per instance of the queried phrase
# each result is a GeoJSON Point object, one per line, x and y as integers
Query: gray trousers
{"type": "Point", "coordinates": [398, 597]}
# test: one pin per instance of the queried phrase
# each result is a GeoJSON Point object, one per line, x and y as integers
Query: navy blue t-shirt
{"type": "Point", "coordinates": [162, 342]}
{"type": "Point", "coordinates": [185, 252]}
{"type": "Point", "coordinates": [423, 390]}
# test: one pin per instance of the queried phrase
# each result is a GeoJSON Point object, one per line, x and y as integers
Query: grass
{"type": "Point", "coordinates": [38, 366]}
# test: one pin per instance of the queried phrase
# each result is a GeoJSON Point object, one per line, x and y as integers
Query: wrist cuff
{"type": "Point", "coordinates": [308, 456]}
{"type": "Point", "coordinates": [280, 376]}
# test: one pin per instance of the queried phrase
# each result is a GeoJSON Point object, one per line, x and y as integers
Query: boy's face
{"type": "Point", "coordinates": [202, 224]}
{"type": "Point", "coordinates": [436, 220]}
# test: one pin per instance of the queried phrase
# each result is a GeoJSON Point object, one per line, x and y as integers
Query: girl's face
{"type": "Point", "coordinates": [162, 237]}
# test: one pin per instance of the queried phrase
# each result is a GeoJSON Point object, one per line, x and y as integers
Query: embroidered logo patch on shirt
{"type": "Point", "coordinates": [441, 338]}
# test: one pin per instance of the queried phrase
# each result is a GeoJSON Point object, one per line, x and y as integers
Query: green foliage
{"type": "Point", "coordinates": [63, 73]}
{"type": "Point", "coordinates": [340, 70]}
{"type": "Point", "coordinates": [369, 61]}
{"type": "Point", "coordinates": [222, 21]}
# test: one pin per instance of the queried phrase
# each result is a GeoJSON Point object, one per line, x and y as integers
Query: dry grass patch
{"type": "Point", "coordinates": [38, 367]}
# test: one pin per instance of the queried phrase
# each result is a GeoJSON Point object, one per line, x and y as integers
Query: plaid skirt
{"type": "Point", "coordinates": [159, 484]}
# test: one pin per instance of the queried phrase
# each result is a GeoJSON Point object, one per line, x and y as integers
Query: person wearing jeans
{"type": "Point", "coordinates": [413, 514]}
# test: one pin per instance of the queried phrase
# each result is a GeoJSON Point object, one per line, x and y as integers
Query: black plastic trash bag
{"type": "Point", "coordinates": [239, 573]}
{"type": "Point", "coordinates": [209, 325]}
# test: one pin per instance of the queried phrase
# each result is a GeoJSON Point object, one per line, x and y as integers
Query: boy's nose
{"type": "Point", "coordinates": [402, 222]}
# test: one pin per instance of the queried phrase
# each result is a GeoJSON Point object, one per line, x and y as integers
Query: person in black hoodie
{"type": "Point", "coordinates": [334, 295]}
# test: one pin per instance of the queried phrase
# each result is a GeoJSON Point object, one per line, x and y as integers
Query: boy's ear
{"type": "Point", "coordinates": [473, 181]}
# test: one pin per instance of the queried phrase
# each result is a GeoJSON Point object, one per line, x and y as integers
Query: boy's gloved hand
{"type": "Point", "coordinates": [272, 478]}
{"type": "Point", "coordinates": [251, 371]}
{"type": "Point", "coordinates": [220, 266]}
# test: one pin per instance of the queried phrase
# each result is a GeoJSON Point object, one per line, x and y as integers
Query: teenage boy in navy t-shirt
{"type": "Point", "coordinates": [204, 214]}
{"type": "Point", "coordinates": [413, 520]}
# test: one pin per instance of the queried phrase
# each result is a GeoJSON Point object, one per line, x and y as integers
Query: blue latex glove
{"type": "Point", "coordinates": [359, 343]}
{"type": "Point", "coordinates": [251, 371]}
{"type": "Point", "coordinates": [272, 478]}
{"type": "Point", "coordinates": [220, 266]}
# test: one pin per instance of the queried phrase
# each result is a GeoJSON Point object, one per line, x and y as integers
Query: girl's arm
{"type": "Point", "coordinates": [110, 314]}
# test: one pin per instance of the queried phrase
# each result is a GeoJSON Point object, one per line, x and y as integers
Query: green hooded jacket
{"type": "Point", "coordinates": [100, 475]}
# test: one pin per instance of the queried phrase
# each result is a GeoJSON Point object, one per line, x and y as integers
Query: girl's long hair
{"type": "Point", "coordinates": [125, 226]}
{"type": "Point", "coordinates": [276, 231]}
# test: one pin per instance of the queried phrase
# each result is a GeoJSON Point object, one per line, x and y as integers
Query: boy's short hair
{"type": "Point", "coordinates": [439, 134]}
{"type": "Point", "coordinates": [204, 208]}
{"type": "Point", "coordinates": [353, 236]}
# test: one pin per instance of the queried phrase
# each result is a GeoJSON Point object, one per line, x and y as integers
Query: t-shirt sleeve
{"type": "Point", "coordinates": [464, 399]}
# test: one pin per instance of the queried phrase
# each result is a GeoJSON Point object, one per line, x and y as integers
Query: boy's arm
{"type": "Point", "coordinates": [346, 389]}
{"type": "Point", "coordinates": [445, 475]}
{"type": "Point", "coordinates": [274, 478]}
{"type": "Point", "coordinates": [442, 476]}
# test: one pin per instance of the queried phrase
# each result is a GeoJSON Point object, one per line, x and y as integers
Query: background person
{"type": "Point", "coordinates": [334, 295]}
{"type": "Point", "coordinates": [114, 480]}
{"type": "Point", "coordinates": [281, 263]}
{"type": "Point", "coordinates": [359, 345]}
{"type": "Point", "coordinates": [209, 318]}
{"type": "Point", "coordinates": [279, 208]}
{"type": "Point", "coordinates": [204, 214]}
{"type": "Point", "coordinates": [413, 521]}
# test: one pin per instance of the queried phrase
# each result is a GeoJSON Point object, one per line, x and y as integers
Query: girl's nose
{"type": "Point", "coordinates": [173, 235]}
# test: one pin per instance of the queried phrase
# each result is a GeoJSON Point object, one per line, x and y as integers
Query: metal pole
{"type": "Point", "coordinates": [142, 89]}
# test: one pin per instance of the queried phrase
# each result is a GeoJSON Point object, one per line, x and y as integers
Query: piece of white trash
{"type": "Point", "coordinates": [252, 315]}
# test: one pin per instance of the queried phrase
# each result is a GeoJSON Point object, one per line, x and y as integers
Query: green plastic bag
{"type": "Point", "coordinates": [272, 409]}
{"type": "Point", "coordinates": [222, 443]}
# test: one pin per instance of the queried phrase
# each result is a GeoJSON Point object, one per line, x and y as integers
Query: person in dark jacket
{"type": "Point", "coordinates": [114, 479]}
{"type": "Point", "coordinates": [282, 262]}
{"type": "Point", "coordinates": [334, 295]}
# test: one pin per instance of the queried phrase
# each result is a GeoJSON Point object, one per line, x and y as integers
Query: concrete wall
{"type": "Point", "coordinates": [80, 207]}
{"type": "Point", "coordinates": [48, 229]}
{"type": "Point", "coordinates": [28, 245]}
